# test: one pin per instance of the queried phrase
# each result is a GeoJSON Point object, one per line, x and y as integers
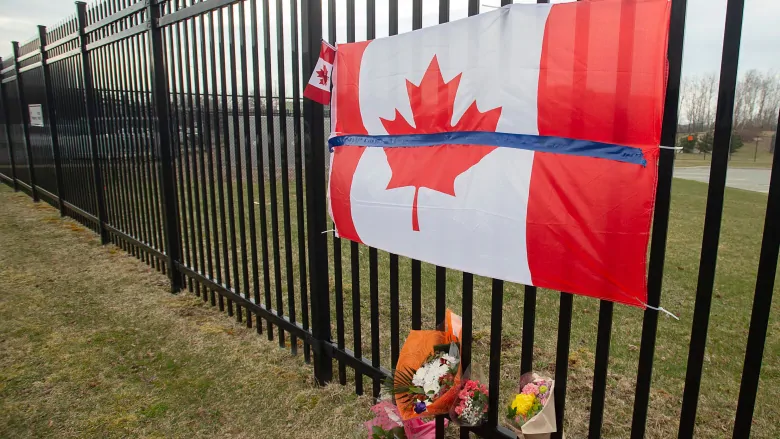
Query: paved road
{"type": "Point", "coordinates": [756, 180]}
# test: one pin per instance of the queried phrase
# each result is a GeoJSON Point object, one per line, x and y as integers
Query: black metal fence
{"type": "Point", "coordinates": [158, 134]}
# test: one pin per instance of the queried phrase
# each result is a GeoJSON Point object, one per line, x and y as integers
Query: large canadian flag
{"type": "Point", "coordinates": [519, 144]}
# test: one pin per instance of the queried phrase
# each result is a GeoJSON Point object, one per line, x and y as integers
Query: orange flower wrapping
{"type": "Point", "coordinates": [418, 346]}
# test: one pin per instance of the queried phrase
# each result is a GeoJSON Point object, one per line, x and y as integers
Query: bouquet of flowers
{"type": "Point", "coordinates": [427, 376]}
{"type": "Point", "coordinates": [418, 390]}
{"type": "Point", "coordinates": [388, 424]}
{"type": "Point", "coordinates": [532, 410]}
{"type": "Point", "coordinates": [471, 406]}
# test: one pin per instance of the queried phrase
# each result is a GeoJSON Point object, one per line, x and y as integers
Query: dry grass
{"type": "Point", "coordinates": [94, 346]}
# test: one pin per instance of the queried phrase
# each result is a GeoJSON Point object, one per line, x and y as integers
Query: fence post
{"type": "Point", "coordinates": [52, 116]}
{"type": "Point", "coordinates": [8, 133]}
{"type": "Point", "coordinates": [25, 120]}
{"type": "Point", "coordinates": [314, 147]}
{"type": "Point", "coordinates": [89, 99]}
{"type": "Point", "coordinates": [160, 96]}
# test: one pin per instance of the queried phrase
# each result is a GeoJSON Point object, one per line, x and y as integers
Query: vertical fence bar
{"type": "Point", "coordinates": [660, 220]}
{"type": "Point", "coordinates": [269, 91]}
{"type": "Point", "coordinates": [187, 152]}
{"type": "Point", "coordinates": [212, 261]}
{"type": "Point", "coordinates": [762, 304]}
{"type": "Point", "coordinates": [301, 229]}
{"type": "Point", "coordinates": [231, 257]}
{"type": "Point", "coordinates": [441, 272]}
{"type": "Point", "coordinates": [467, 305]}
{"type": "Point", "coordinates": [712, 221]}
{"type": "Point", "coordinates": [314, 144]}
{"type": "Point", "coordinates": [284, 147]}
{"type": "Point", "coordinates": [260, 165]}
{"type": "Point", "coordinates": [562, 360]}
{"type": "Point", "coordinates": [467, 312]}
{"type": "Point", "coordinates": [25, 114]}
{"type": "Point", "coordinates": [338, 283]}
{"type": "Point", "coordinates": [355, 248]}
{"type": "Point", "coordinates": [100, 91]}
{"type": "Point", "coordinates": [15, 182]}
{"type": "Point", "coordinates": [395, 337]}
{"type": "Point", "coordinates": [250, 192]}
{"type": "Point", "coordinates": [356, 325]}
{"type": "Point", "coordinates": [373, 282]}
{"type": "Point", "coordinates": [600, 369]}
{"type": "Point", "coordinates": [167, 184]}
{"type": "Point", "coordinates": [195, 146]}
{"type": "Point", "coordinates": [373, 285]}
{"type": "Point", "coordinates": [52, 116]}
{"type": "Point", "coordinates": [496, 319]}
{"type": "Point", "coordinates": [237, 233]}
{"type": "Point", "coordinates": [152, 167]}
{"type": "Point", "coordinates": [112, 110]}
{"type": "Point", "coordinates": [89, 99]}
{"type": "Point", "coordinates": [416, 265]}
{"type": "Point", "coordinates": [529, 324]}
{"type": "Point", "coordinates": [338, 289]}
{"type": "Point", "coordinates": [222, 275]}
{"type": "Point", "coordinates": [204, 238]}
{"type": "Point", "coordinates": [104, 155]}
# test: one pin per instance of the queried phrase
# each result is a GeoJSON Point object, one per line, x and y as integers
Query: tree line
{"type": "Point", "coordinates": [756, 105]}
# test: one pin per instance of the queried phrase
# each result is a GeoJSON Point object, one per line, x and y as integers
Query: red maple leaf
{"type": "Point", "coordinates": [435, 167]}
{"type": "Point", "coordinates": [323, 75]}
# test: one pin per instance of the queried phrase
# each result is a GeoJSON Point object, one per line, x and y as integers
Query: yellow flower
{"type": "Point", "coordinates": [523, 403]}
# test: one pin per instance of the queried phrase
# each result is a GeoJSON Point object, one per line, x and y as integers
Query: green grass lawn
{"type": "Point", "coordinates": [745, 157]}
{"type": "Point", "coordinates": [737, 263]}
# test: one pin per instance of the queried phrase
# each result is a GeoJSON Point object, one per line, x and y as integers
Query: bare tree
{"type": "Point", "coordinates": [756, 101]}
{"type": "Point", "coordinates": [697, 101]}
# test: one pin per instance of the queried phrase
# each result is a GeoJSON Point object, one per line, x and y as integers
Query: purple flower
{"type": "Point", "coordinates": [419, 407]}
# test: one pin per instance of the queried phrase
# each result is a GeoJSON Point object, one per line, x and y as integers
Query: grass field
{"type": "Point", "coordinates": [738, 259]}
{"type": "Point", "coordinates": [745, 157]}
{"type": "Point", "coordinates": [92, 345]}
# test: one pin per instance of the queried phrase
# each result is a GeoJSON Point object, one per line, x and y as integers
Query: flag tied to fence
{"type": "Point", "coordinates": [318, 88]}
{"type": "Point", "coordinates": [519, 144]}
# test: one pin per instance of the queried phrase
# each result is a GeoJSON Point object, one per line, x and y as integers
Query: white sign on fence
{"type": "Point", "coordinates": [36, 115]}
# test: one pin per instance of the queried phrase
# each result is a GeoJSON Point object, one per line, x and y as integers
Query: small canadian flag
{"type": "Point", "coordinates": [318, 88]}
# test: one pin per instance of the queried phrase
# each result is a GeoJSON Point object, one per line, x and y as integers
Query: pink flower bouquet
{"type": "Point", "coordinates": [388, 424]}
{"type": "Point", "coordinates": [471, 406]}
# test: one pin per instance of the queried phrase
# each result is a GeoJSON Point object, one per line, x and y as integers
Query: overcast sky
{"type": "Point", "coordinates": [703, 35]}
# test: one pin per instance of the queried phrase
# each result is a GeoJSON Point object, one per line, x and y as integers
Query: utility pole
{"type": "Point", "coordinates": [755, 153]}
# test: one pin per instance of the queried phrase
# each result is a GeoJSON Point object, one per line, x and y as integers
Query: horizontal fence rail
{"type": "Point", "coordinates": [175, 129]}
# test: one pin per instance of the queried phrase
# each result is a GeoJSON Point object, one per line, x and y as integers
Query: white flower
{"type": "Point", "coordinates": [428, 375]}
{"type": "Point", "coordinates": [419, 377]}
{"type": "Point", "coordinates": [449, 358]}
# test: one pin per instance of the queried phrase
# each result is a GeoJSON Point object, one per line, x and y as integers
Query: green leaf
{"type": "Point", "coordinates": [399, 384]}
